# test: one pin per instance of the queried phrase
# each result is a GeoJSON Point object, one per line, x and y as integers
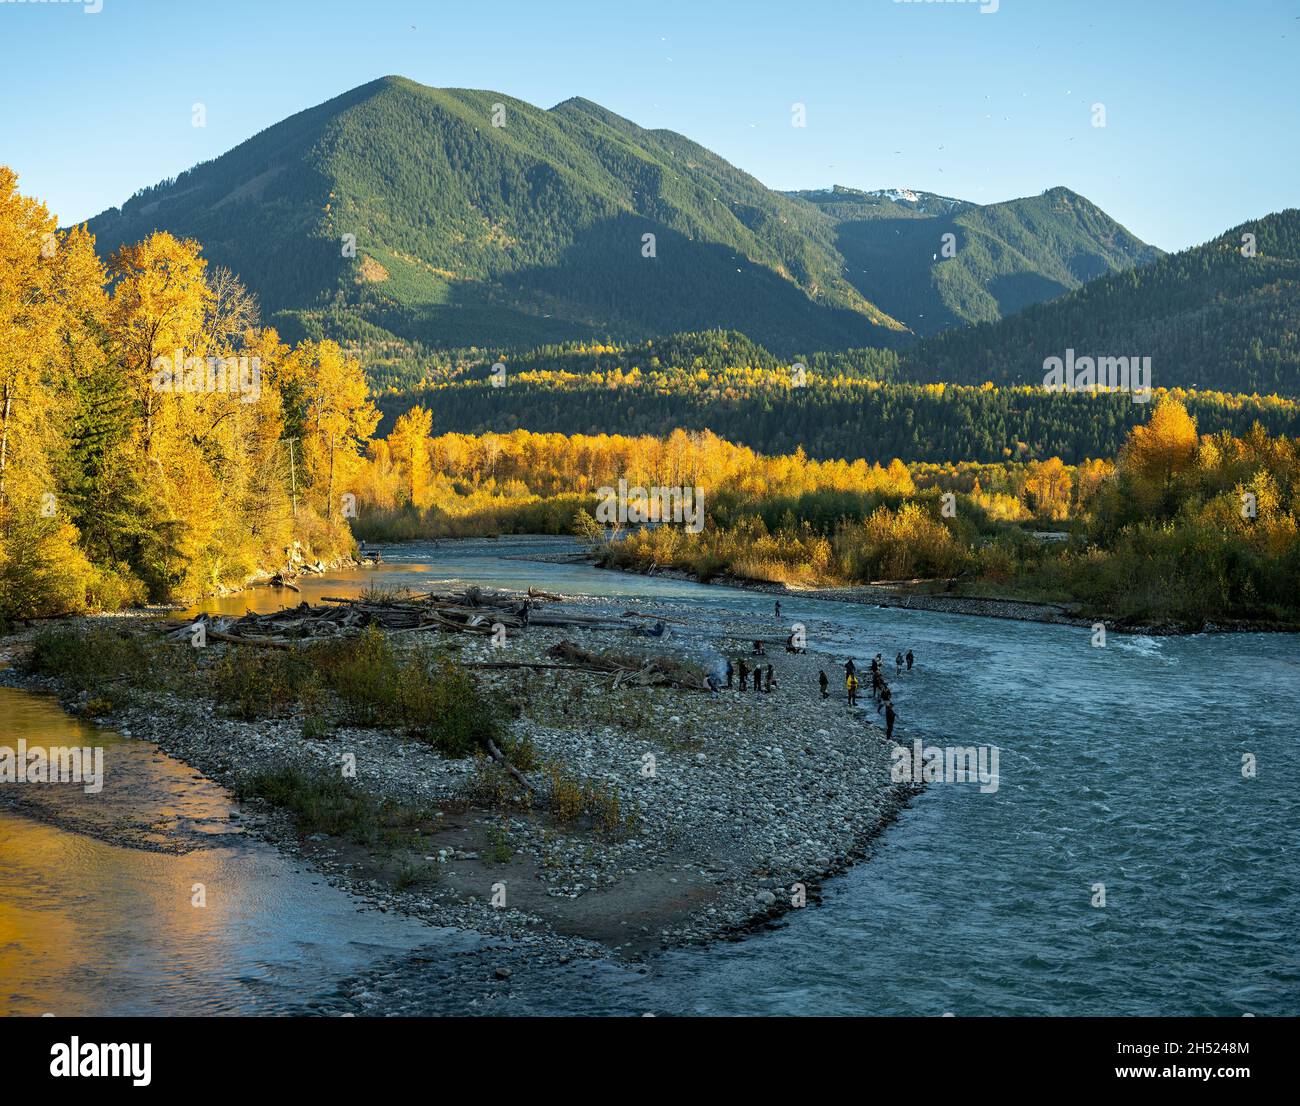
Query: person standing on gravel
{"type": "Point", "coordinates": [824, 682]}
{"type": "Point", "coordinates": [730, 673]}
{"type": "Point", "coordinates": [770, 680]}
{"type": "Point", "coordinates": [744, 675]}
{"type": "Point", "coordinates": [851, 685]}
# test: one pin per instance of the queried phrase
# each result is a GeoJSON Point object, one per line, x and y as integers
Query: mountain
{"type": "Point", "coordinates": [1005, 256]}
{"type": "Point", "coordinates": [512, 236]}
{"type": "Point", "coordinates": [528, 232]}
{"type": "Point", "coordinates": [1209, 317]}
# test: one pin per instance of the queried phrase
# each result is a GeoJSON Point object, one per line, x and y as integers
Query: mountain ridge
{"type": "Point", "coordinates": [468, 233]}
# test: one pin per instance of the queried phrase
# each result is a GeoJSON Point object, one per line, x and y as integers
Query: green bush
{"type": "Point", "coordinates": [87, 660]}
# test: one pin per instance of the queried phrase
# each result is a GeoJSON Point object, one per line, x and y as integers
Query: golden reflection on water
{"type": "Point", "coordinates": [89, 926]}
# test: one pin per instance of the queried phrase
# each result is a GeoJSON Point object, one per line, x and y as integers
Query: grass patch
{"type": "Point", "coordinates": [100, 658]}
{"type": "Point", "coordinates": [572, 799]}
{"type": "Point", "coordinates": [264, 684]}
{"type": "Point", "coordinates": [432, 697]}
{"type": "Point", "coordinates": [322, 802]}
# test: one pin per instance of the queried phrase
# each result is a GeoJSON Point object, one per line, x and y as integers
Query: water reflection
{"type": "Point", "coordinates": [89, 927]}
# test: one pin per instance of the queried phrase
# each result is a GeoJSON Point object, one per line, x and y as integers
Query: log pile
{"type": "Point", "coordinates": [633, 671]}
{"type": "Point", "coordinates": [472, 611]}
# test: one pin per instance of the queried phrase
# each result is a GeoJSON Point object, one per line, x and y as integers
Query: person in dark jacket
{"type": "Point", "coordinates": [730, 673]}
{"type": "Point", "coordinates": [889, 721]}
{"type": "Point", "coordinates": [824, 682]}
{"type": "Point", "coordinates": [909, 660]}
{"type": "Point", "coordinates": [898, 664]}
{"type": "Point", "coordinates": [744, 675]}
{"type": "Point", "coordinates": [770, 680]}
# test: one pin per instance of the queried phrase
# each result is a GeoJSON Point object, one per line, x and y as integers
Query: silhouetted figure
{"type": "Point", "coordinates": [851, 684]}
{"type": "Point", "coordinates": [875, 666]}
{"type": "Point", "coordinates": [770, 678]}
{"type": "Point", "coordinates": [821, 679]}
{"type": "Point", "coordinates": [759, 651]}
{"type": "Point", "coordinates": [850, 669]}
{"type": "Point", "coordinates": [758, 679]}
{"type": "Point", "coordinates": [525, 611]}
{"type": "Point", "coordinates": [898, 664]}
{"type": "Point", "coordinates": [730, 673]}
{"type": "Point", "coordinates": [778, 608]}
{"type": "Point", "coordinates": [744, 675]}
{"type": "Point", "coordinates": [790, 646]}
{"type": "Point", "coordinates": [909, 660]}
{"type": "Point", "coordinates": [889, 721]}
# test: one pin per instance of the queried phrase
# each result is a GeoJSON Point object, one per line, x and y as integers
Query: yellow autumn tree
{"type": "Point", "coordinates": [1164, 447]}
{"type": "Point", "coordinates": [42, 567]}
{"type": "Point", "coordinates": [160, 302]}
{"type": "Point", "coordinates": [408, 447]}
{"type": "Point", "coordinates": [1049, 487]}
{"type": "Point", "coordinates": [337, 418]}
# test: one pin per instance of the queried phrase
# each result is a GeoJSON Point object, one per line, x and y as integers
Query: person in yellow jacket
{"type": "Point", "coordinates": [851, 682]}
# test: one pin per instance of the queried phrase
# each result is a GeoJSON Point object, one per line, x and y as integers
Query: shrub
{"type": "Point", "coordinates": [260, 683]}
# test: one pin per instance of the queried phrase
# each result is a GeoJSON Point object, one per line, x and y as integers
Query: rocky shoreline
{"type": "Point", "coordinates": [912, 598]}
{"type": "Point", "coordinates": [737, 806]}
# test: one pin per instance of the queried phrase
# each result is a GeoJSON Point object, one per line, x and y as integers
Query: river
{"type": "Point", "coordinates": [1120, 767]}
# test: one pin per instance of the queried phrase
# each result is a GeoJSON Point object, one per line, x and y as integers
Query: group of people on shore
{"type": "Point", "coordinates": [764, 679]}
{"type": "Point", "coordinates": [880, 693]}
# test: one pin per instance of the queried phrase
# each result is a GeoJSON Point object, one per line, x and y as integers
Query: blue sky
{"type": "Point", "coordinates": [1201, 96]}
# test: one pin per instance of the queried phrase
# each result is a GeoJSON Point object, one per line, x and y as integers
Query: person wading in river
{"type": "Point", "coordinates": [909, 660]}
{"type": "Point", "coordinates": [898, 664]}
{"type": "Point", "coordinates": [889, 721]}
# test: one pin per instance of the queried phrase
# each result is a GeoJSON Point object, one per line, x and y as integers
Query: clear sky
{"type": "Point", "coordinates": [1202, 97]}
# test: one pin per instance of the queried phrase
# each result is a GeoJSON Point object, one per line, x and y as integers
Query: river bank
{"type": "Point", "coordinates": [735, 807]}
{"type": "Point", "coordinates": [930, 596]}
